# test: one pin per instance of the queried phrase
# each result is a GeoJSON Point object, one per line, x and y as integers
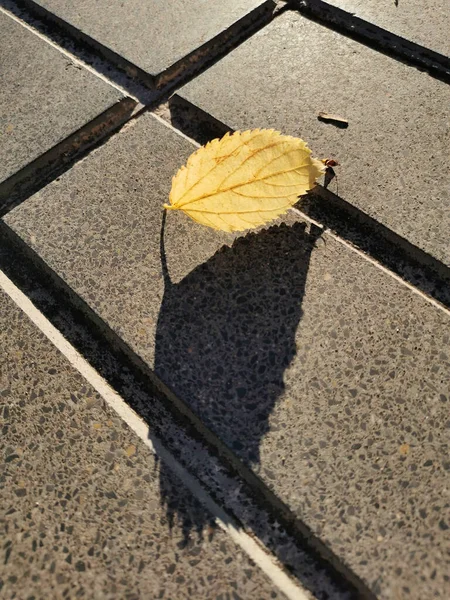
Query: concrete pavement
{"type": "Point", "coordinates": [306, 369]}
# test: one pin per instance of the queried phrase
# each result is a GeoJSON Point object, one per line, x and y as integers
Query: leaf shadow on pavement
{"type": "Point", "coordinates": [225, 336]}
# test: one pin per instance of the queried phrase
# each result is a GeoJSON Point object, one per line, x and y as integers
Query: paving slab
{"type": "Point", "coordinates": [154, 36]}
{"type": "Point", "coordinates": [44, 99]}
{"type": "Point", "coordinates": [426, 24]}
{"type": "Point", "coordinates": [394, 158]}
{"type": "Point", "coordinates": [81, 509]}
{"type": "Point", "coordinates": [323, 373]}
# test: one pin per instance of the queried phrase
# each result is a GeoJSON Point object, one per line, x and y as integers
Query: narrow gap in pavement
{"type": "Point", "coordinates": [386, 247]}
{"type": "Point", "coordinates": [409, 262]}
{"type": "Point", "coordinates": [128, 79]}
{"type": "Point", "coordinates": [254, 505]}
{"type": "Point", "coordinates": [375, 37]}
{"type": "Point", "coordinates": [155, 403]}
{"type": "Point", "coordinates": [391, 250]}
{"type": "Point", "coordinates": [147, 88]}
{"type": "Point", "coordinates": [50, 165]}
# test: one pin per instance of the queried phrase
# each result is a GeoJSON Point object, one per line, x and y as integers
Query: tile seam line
{"type": "Point", "coordinates": [368, 33]}
{"type": "Point", "coordinates": [69, 55]}
{"type": "Point", "coordinates": [334, 236]}
{"type": "Point", "coordinates": [371, 260]}
{"type": "Point", "coordinates": [259, 554]}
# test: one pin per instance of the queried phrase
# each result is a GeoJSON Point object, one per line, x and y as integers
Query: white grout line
{"type": "Point", "coordinates": [139, 106]}
{"type": "Point", "coordinates": [265, 561]}
{"type": "Point", "coordinates": [342, 241]}
{"type": "Point", "coordinates": [68, 55]}
{"type": "Point", "coordinates": [175, 130]}
{"type": "Point", "coordinates": [378, 265]}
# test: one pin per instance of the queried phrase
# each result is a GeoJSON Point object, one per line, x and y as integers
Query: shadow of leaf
{"type": "Point", "coordinates": [226, 334]}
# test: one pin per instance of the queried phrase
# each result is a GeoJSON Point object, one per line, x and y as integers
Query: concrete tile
{"type": "Point", "coordinates": [426, 24]}
{"type": "Point", "coordinates": [83, 513]}
{"type": "Point", "coordinates": [324, 374]}
{"type": "Point", "coordinates": [44, 97]}
{"type": "Point", "coordinates": [394, 157]}
{"type": "Point", "coordinates": [153, 35]}
{"type": "Point", "coordinates": [120, 215]}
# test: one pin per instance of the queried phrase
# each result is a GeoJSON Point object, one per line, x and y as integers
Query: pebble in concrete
{"type": "Point", "coordinates": [44, 98]}
{"type": "Point", "coordinates": [426, 24]}
{"type": "Point", "coordinates": [319, 370]}
{"type": "Point", "coordinates": [82, 511]}
{"type": "Point", "coordinates": [394, 157]}
{"type": "Point", "coordinates": [154, 36]}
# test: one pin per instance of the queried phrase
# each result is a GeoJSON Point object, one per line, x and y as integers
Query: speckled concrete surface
{"type": "Point", "coordinates": [394, 157]}
{"type": "Point", "coordinates": [114, 259]}
{"type": "Point", "coordinates": [152, 35]}
{"type": "Point", "coordinates": [326, 375]}
{"type": "Point", "coordinates": [425, 23]}
{"type": "Point", "coordinates": [44, 97]}
{"type": "Point", "coordinates": [81, 512]}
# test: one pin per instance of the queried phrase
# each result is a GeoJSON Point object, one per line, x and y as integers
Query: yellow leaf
{"type": "Point", "coordinates": [244, 179]}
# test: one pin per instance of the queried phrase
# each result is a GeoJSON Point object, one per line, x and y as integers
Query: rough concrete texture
{"type": "Point", "coordinates": [394, 157]}
{"type": "Point", "coordinates": [43, 95]}
{"type": "Point", "coordinates": [82, 510]}
{"type": "Point", "coordinates": [152, 35]}
{"type": "Point", "coordinates": [323, 373]}
{"type": "Point", "coordinates": [423, 23]}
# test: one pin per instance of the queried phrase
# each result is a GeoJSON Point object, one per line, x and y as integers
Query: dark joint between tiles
{"type": "Point", "coordinates": [105, 62]}
{"type": "Point", "coordinates": [377, 38]}
{"type": "Point", "coordinates": [174, 422]}
{"type": "Point", "coordinates": [53, 163]}
{"type": "Point", "coordinates": [149, 91]}
{"type": "Point", "coordinates": [192, 120]}
{"type": "Point", "coordinates": [78, 43]}
{"type": "Point", "coordinates": [388, 248]}
{"type": "Point", "coordinates": [215, 49]}
{"type": "Point", "coordinates": [147, 88]}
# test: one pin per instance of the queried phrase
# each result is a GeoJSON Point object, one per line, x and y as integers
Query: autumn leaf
{"type": "Point", "coordinates": [244, 180]}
